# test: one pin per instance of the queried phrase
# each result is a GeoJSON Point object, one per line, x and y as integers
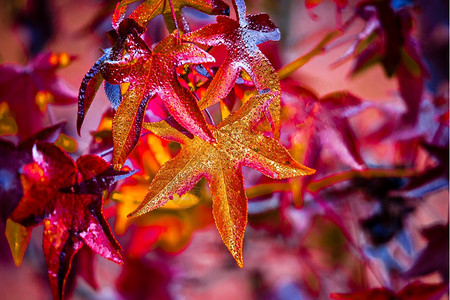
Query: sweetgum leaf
{"type": "Point", "coordinates": [97, 175]}
{"type": "Point", "coordinates": [387, 40]}
{"type": "Point", "coordinates": [315, 124]}
{"type": "Point", "coordinates": [241, 38]}
{"type": "Point", "coordinates": [12, 159]}
{"type": "Point", "coordinates": [149, 9]}
{"type": "Point", "coordinates": [70, 219]}
{"type": "Point", "coordinates": [149, 72]}
{"type": "Point", "coordinates": [149, 155]}
{"type": "Point", "coordinates": [28, 89]}
{"type": "Point", "coordinates": [93, 78]}
{"type": "Point", "coordinates": [237, 144]}
{"type": "Point", "coordinates": [328, 119]}
{"type": "Point", "coordinates": [88, 89]}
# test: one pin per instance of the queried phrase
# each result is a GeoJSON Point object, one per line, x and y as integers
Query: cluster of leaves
{"type": "Point", "coordinates": [165, 133]}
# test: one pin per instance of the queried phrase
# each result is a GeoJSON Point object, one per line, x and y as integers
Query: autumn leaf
{"type": "Point", "coordinates": [169, 230]}
{"type": "Point", "coordinates": [387, 40]}
{"type": "Point", "coordinates": [71, 216]}
{"type": "Point", "coordinates": [149, 9]}
{"type": "Point", "coordinates": [220, 163]}
{"type": "Point", "coordinates": [314, 124]}
{"type": "Point", "coordinates": [12, 159]}
{"type": "Point", "coordinates": [93, 78]}
{"type": "Point", "coordinates": [241, 38]}
{"type": "Point", "coordinates": [328, 119]}
{"type": "Point", "coordinates": [29, 89]}
{"type": "Point", "coordinates": [150, 154]}
{"type": "Point", "coordinates": [148, 73]}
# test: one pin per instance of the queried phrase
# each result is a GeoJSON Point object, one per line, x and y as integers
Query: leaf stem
{"type": "Point", "coordinates": [291, 67]}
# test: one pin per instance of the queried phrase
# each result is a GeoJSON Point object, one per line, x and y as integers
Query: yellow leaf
{"type": "Point", "coordinates": [18, 237]}
{"type": "Point", "coordinates": [220, 163]}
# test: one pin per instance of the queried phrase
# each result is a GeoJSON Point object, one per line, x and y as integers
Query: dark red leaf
{"type": "Point", "coordinates": [28, 89]}
{"type": "Point", "coordinates": [12, 159]}
{"type": "Point", "coordinates": [241, 38]}
{"type": "Point", "coordinates": [93, 78]}
{"type": "Point", "coordinates": [149, 9]}
{"type": "Point", "coordinates": [150, 72]}
{"type": "Point", "coordinates": [70, 219]}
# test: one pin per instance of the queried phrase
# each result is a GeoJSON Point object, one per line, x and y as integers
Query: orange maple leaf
{"type": "Point", "coordinates": [237, 144]}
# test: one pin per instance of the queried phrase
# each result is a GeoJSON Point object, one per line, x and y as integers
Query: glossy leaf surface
{"type": "Point", "coordinates": [12, 159]}
{"type": "Point", "coordinates": [93, 78]}
{"type": "Point", "coordinates": [149, 72]}
{"type": "Point", "coordinates": [149, 9]}
{"type": "Point", "coordinates": [70, 219]}
{"type": "Point", "coordinates": [220, 163]}
{"type": "Point", "coordinates": [241, 38]}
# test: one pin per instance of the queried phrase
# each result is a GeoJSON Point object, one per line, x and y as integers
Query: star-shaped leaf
{"type": "Point", "coordinates": [12, 159]}
{"type": "Point", "coordinates": [149, 155]}
{"type": "Point", "coordinates": [314, 124]}
{"type": "Point", "coordinates": [93, 78]}
{"type": "Point", "coordinates": [327, 119]}
{"type": "Point", "coordinates": [71, 218]}
{"type": "Point", "coordinates": [387, 40]}
{"type": "Point", "coordinates": [241, 38]}
{"type": "Point", "coordinates": [220, 163]}
{"type": "Point", "coordinates": [28, 89]}
{"type": "Point", "coordinates": [149, 9]}
{"type": "Point", "coordinates": [149, 72]}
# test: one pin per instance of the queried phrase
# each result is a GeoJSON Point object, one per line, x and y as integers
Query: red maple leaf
{"type": "Point", "coordinates": [327, 120]}
{"type": "Point", "coordinates": [169, 9]}
{"type": "Point", "coordinates": [387, 40]}
{"type": "Point", "coordinates": [12, 159]}
{"type": "Point", "coordinates": [148, 73]}
{"type": "Point", "coordinates": [241, 38]}
{"type": "Point", "coordinates": [314, 124]}
{"type": "Point", "coordinates": [93, 78]}
{"type": "Point", "coordinates": [71, 216]}
{"type": "Point", "coordinates": [28, 89]}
